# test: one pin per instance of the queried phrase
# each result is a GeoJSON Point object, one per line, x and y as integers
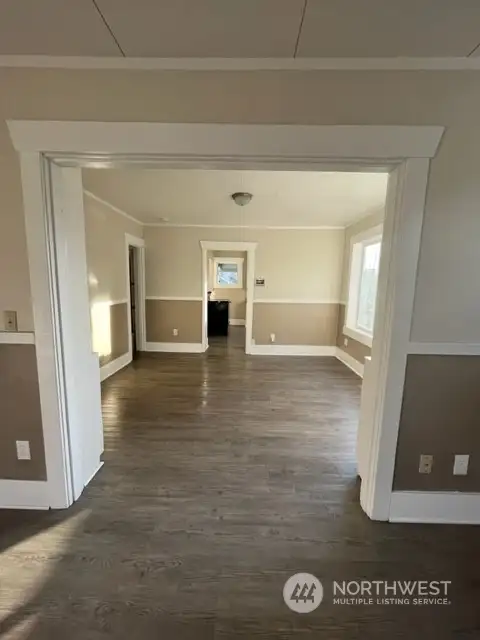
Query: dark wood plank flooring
{"type": "Point", "coordinates": [225, 474]}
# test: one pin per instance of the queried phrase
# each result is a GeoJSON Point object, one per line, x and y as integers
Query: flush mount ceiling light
{"type": "Point", "coordinates": [241, 198]}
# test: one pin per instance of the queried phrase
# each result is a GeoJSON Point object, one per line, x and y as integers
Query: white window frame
{"type": "Point", "coordinates": [221, 260]}
{"type": "Point", "coordinates": [358, 243]}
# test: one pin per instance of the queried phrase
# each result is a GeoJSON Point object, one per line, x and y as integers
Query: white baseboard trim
{"type": "Point", "coordinates": [356, 366]}
{"type": "Point", "coordinates": [236, 323]}
{"type": "Point", "coordinates": [291, 350]}
{"type": "Point", "coordinates": [115, 365]}
{"type": "Point", "coordinates": [175, 347]}
{"type": "Point", "coordinates": [24, 494]}
{"type": "Point", "coordinates": [94, 473]}
{"type": "Point", "coordinates": [434, 507]}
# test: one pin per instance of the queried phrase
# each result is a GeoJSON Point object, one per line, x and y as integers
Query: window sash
{"type": "Point", "coordinates": [227, 265]}
{"type": "Point", "coordinates": [361, 283]}
{"type": "Point", "coordinates": [358, 248]}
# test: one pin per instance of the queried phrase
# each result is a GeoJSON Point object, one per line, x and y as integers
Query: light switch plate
{"type": "Point", "coordinates": [460, 466]}
{"type": "Point", "coordinates": [10, 320]}
{"type": "Point", "coordinates": [272, 338]}
{"type": "Point", "coordinates": [23, 450]}
{"type": "Point", "coordinates": [345, 342]}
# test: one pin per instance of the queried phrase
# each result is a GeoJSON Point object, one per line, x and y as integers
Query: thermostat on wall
{"type": "Point", "coordinates": [259, 282]}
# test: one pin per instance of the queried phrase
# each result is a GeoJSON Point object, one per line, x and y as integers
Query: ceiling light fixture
{"type": "Point", "coordinates": [241, 198]}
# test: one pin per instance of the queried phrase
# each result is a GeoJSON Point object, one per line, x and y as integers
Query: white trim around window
{"type": "Point", "coordinates": [358, 244]}
{"type": "Point", "coordinates": [359, 336]}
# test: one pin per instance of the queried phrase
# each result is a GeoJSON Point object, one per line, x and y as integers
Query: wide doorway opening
{"type": "Point", "coordinates": [71, 348]}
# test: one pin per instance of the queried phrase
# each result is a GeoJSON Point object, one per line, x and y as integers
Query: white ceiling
{"type": "Point", "coordinates": [240, 28]}
{"type": "Point", "coordinates": [203, 197]}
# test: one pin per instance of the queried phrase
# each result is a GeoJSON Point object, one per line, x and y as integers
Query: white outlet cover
{"type": "Point", "coordinates": [345, 342]}
{"type": "Point", "coordinates": [175, 332]}
{"type": "Point", "coordinates": [23, 450]}
{"type": "Point", "coordinates": [460, 466]}
{"type": "Point", "coordinates": [426, 463]}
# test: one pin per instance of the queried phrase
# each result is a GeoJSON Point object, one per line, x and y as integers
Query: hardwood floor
{"type": "Point", "coordinates": [225, 474]}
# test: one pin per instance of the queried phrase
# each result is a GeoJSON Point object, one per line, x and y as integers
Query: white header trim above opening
{"type": "Point", "coordinates": [203, 142]}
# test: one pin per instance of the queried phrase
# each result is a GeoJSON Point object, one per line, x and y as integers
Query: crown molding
{"type": "Point", "coordinates": [242, 64]}
{"type": "Point", "coordinates": [112, 207]}
{"type": "Point", "coordinates": [371, 212]}
{"type": "Point", "coordinates": [238, 226]}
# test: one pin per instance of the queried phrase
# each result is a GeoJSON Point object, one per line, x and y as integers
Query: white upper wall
{"type": "Point", "coordinates": [280, 198]}
{"type": "Point", "coordinates": [296, 265]}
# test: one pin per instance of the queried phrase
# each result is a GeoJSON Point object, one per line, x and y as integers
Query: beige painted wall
{"type": "Point", "coordinates": [443, 310]}
{"type": "Point", "coordinates": [15, 279]}
{"type": "Point", "coordinates": [163, 316]}
{"type": "Point", "coordinates": [110, 332]}
{"type": "Point", "coordinates": [295, 264]}
{"type": "Point", "coordinates": [439, 417]}
{"type": "Point", "coordinates": [300, 324]}
{"type": "Point", "coordinates": [105, 232]}
{"type": "Point", "coordinates": [449, 253]}
{"type": "Point", "coordinates": [21, 417]}
{"type": "Point", "coordinates": [105, 243]}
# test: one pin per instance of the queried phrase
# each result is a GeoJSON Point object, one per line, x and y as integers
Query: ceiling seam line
{"type": "Point", "coordinates": [297, 43]}
{"type": "Point", "coordinates": [108, 27]}
{"type": "Point", "coordinates": [473, 50]}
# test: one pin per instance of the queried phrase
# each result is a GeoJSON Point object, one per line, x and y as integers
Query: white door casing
{"type": "Point", "coordinates": [403, 149]}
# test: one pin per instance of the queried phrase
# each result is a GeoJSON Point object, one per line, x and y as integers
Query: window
{"type": "Point", "coordinates": [228, 273]}
{"type": "Point", "coordinates": [362, 292]}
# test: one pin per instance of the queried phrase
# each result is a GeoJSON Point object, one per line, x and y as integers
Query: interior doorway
{"type": "Point", "coordinates": [273, 146]}
{"type": "Point", "coordinates": [226, 314]}
{"type": "Point", "coordinates": [229, 259]}
{"type": "Point", "coordinates": [135, 285]}
{"type": "Point", "coordinates": [132, 277]}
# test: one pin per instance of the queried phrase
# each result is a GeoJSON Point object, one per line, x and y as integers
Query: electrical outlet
{"type": "Point", "coordinates": [460, 466]}
{"type": "Point", "coordinates": [23, 450]}
{"type": "Point", "coordinates": [272, 338]}
{"type": "Point", "coordinates": [175, 332]}
{"type": "Point", "coordinates": [345, 342]}
{"type": "Point", "coordinates": [426, 463]}
{"type": "Point", "coordinates": [10, 320]}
